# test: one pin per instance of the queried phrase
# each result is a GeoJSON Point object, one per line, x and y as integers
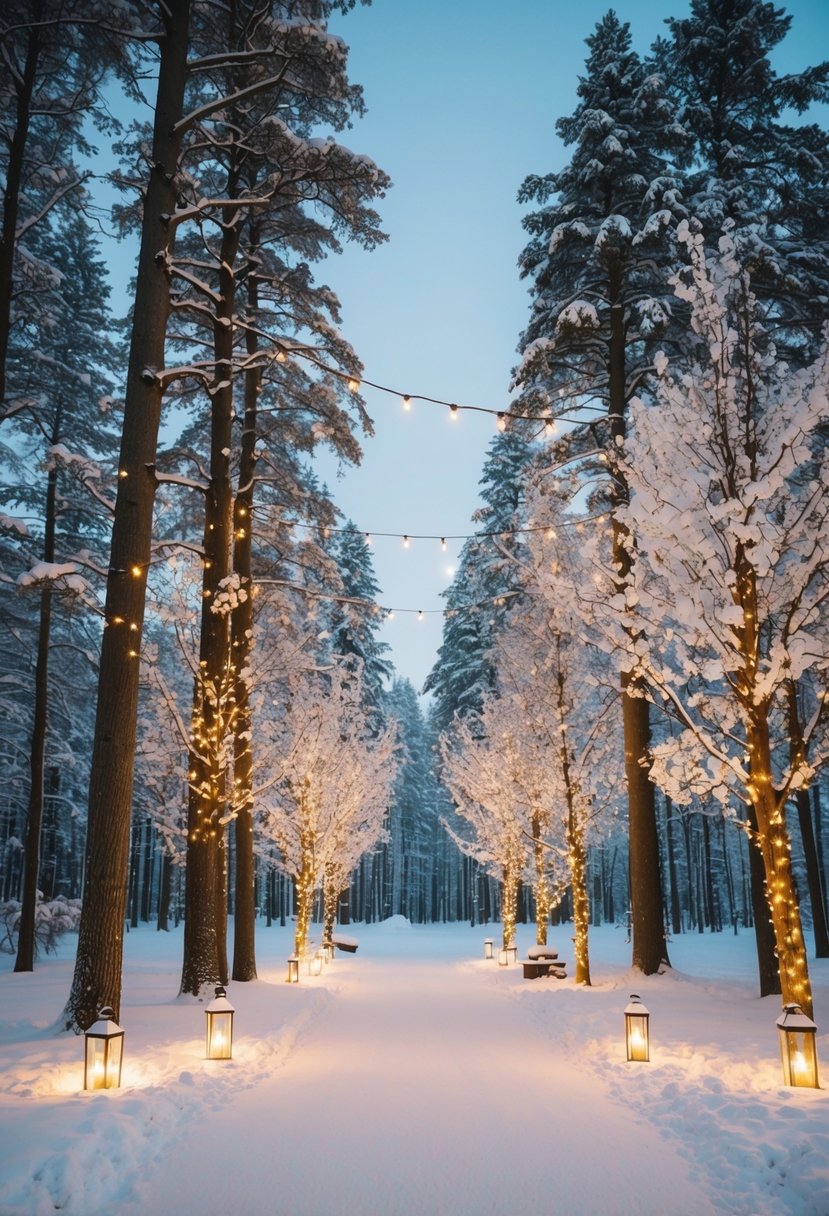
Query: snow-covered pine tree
{"type": "Point", "coordinates": [354, 626]}
{"type": "Point", "coordinates": [750, 162]}
{"type": "Point", "coordinates": [479, 600]}
{"type": "Point", "coordinates": [56, 55]}
{"type": "Point", "coordinates": [599, 251]}
{"type": "Point", "coordinates": [62, 441]}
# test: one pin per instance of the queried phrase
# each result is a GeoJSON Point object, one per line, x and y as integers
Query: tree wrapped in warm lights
{"type": "Point", "coordinates": [567, 700]}
{"type": "Point", "coordinates": [495, 770]}
{"type": "Point", "coordinates": [730, 503]}
{"type": "Point", "coordinates": [329, 803]}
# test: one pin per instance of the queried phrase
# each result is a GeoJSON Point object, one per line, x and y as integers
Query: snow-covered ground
{"type": "Point", "coordinates": [415, 1079]}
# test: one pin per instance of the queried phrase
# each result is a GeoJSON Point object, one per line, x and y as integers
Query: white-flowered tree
{"type": "Point", "coordinates": [494, 766]}
{"type": "Point", "coordinates": [730, 505]}
{"type": "Point", "coordinates": [329, 802]}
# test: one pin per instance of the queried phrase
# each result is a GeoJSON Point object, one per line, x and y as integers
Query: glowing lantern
{"type": "Point", "coordinates": [503, 958]}
{"type": "Point", "coordinates": [328, 951]}
{"type": "Point", "coordinates": [219, 1015]}
{"type": "Point", "coordinates": [293, 969]}
{"type": "Point", "coordinates": [798, 1047]}
{"type": "Point", "coordinates": [104, 1052]}
{"type": "Point", "coordinates": [637, 1037]}
{"type": "Point", "coordinates": [512, 953]}
{"type": "Point", "coordinates": [316, 963]}
{"type": "Point", "coordinates": [487, 947]}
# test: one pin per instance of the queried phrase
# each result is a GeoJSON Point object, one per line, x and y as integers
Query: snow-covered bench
{"type": "Point", "coordinates": [542, 961]}
{"type": "Point", "coordinates": [345, 943]}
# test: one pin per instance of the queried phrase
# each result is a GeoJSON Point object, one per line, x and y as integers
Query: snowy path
{"type": "Point", "coordinates": [413, 1092]}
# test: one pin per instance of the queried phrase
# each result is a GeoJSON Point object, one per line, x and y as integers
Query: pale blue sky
{"type": "Point", "coordinates": [462, 97]}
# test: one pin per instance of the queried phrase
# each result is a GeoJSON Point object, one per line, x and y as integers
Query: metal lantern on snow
{"type": "Point", "coordinates": [487, 947]}
{"type": "Point", "coordinates": [328, 951]}
{"type": "Point", "coordinates": [316, 963]}
{"type": "Point", "coordinates": [293, 969]}
{"type": "Point", "coordinates": [103, 1052]}
{"type": "Point", "coordinates": [219, 1015]}
{"type": "Point", "coordinates": [503, 958]}
{"type": "Point", "coordinates": [637, 1035]}
{"type": "Point", "coordinates": [798, 1047]}
{"type": "Point", "coordinates": [512, 953]}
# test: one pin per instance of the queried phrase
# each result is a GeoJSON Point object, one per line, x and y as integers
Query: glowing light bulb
{"type": "Point", "coordinates": [453, 413]}
{"type": "Point", "coordinates": [407, 403]}
{"type": "Point", "coordinates": [406, 542]}
{"type": "Point", "coordinates": [799, 1062]}
{"type": "Point", "coordinates": [443, 544]}
{"type": "Point", "coordinates": [502, 421]}
{"type": "Point", "coordinates": [136, 571]}
{"type": "Point", "coordinates": [368, 538]}
{"type": "Point", "coordinates": [420, 614]}
{"type": "Point", "coordinates": [550, 426]}
{"type": "Point", "coordinates": [281, 357]}
{"type": "Point", "coordinates": [353, 384]}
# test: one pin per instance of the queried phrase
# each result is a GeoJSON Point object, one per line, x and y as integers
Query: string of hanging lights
{"type": "Point", "coordinates": [502, 417]}
{"type": "Point", "coordinates": [406, 538]}
{"type": "Point", "coordinates": [387, 612]}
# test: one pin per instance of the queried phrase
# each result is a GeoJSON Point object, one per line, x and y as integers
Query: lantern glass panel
{"type": "Point", "coordinates": [488, 948]}
{"type": "Point", "coordinates": [293, 969]}
{"type": "Point", "coordinates": [219, 1035]}
{"type": "Point", "coordinates": [503, 958]}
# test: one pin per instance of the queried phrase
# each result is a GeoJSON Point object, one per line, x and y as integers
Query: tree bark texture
{"type": "Point", "coordinates": [244, 916]}
{"type": "Point", "coordinates": [213, 692]}
{"type": "Point", "coordinates": [26, 942]}
{"type": "Point", "coordinates": [97, 977]}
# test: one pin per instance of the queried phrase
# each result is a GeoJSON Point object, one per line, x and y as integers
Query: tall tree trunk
{"type": "Point", "coordinates": [509, 899]}
{"type": "Point", "coordinates": [147, 872]}
{"type": "Point", "coordinates": [11, 197]}
{"type": "Point", "coordinates": [244, 917]}
{"type": "Point", "coordinates": [729, 877]}
{"type": "Point", "coordinates": [332, 887]}
{"type": "Point", "coordinates": [97, 976]}
{"type": "Point", "coordinates": [767, 970]}
{"type": "Point", "coordinates": [204, 950]}
{"type": "Point", "coordinates": [649, 947]}
{"type": "Point", "coordinates": [818, 823]}
{"type": "Point", "coordinates": [648, 926]}
{"type": "Point", "coordinates": [807, 835]}
{"type": "Point", "coordinates": [676, 911]}
{"type": "Point", "coordinates": [542, 886]}
{"type": "Point", "coordinates": [709, 874]}
{"type": "Point", "coordinates": [37, 752]}
{"type": "Point", "coordinates": [775, 849]}
{"type": "Point", "coordinates": [164, 893]}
